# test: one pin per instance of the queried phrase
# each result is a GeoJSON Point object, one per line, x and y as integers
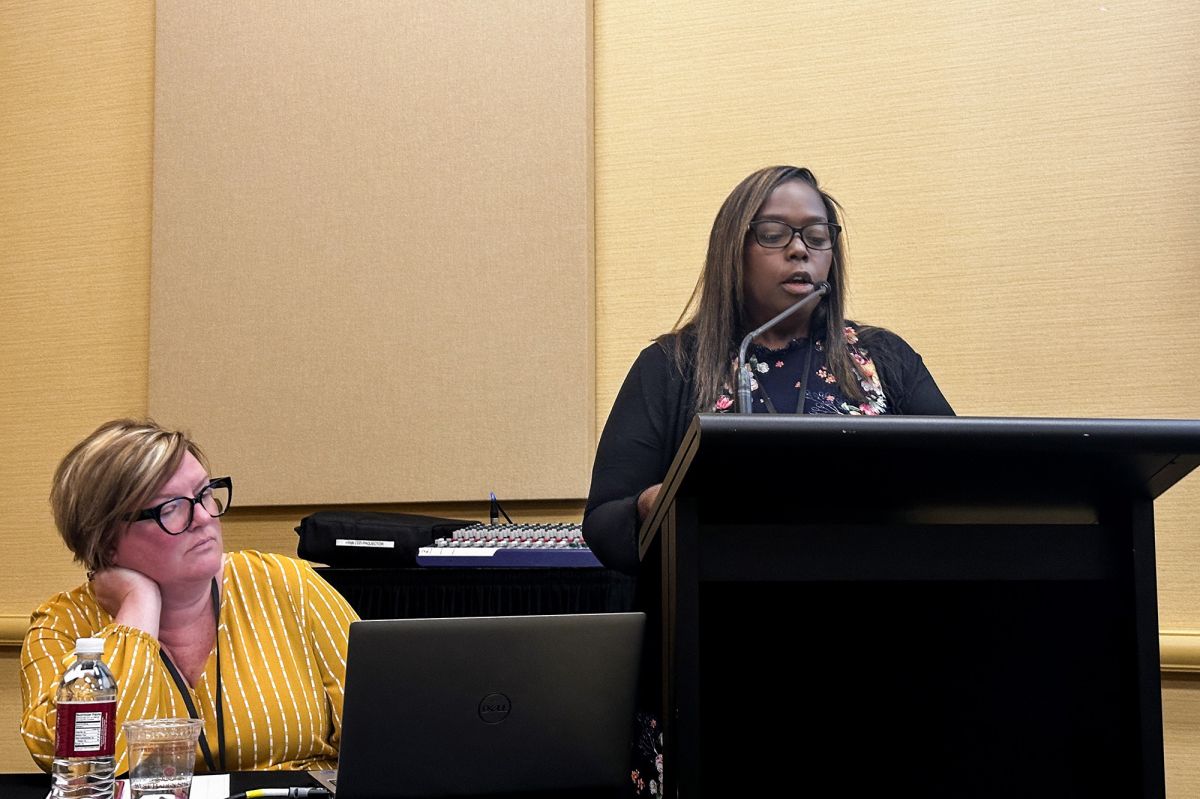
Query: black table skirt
{"type": "Point", "coordinates": [446, 591]}
{"type": "Point", "coordinates": [24, 786]}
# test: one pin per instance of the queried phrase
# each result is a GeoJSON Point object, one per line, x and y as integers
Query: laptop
{"type": "Point", "coordinates": [488, 705]}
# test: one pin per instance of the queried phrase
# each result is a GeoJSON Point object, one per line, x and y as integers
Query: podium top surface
{"type": "Point", "coordinates": [851, 461]}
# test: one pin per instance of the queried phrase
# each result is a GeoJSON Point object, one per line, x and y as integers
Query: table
{"type": "Point", "coordinates": [37, 785]}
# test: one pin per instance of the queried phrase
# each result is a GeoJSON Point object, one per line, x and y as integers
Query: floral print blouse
{"type": "Point", "coordinates": [780, 376]}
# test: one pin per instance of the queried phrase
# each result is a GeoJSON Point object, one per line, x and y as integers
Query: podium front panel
{"type": "Point", "coordinates": [918, 607]}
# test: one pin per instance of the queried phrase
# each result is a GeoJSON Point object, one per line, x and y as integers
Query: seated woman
{"type": "Point", "coordinates": [252, 643]}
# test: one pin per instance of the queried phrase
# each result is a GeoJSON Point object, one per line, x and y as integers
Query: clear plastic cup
{"type": "Point", "coordinates": [162, 756]}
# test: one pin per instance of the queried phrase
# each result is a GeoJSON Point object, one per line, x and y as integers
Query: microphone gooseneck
{"type": "Point", "coordinates": [743, 369]}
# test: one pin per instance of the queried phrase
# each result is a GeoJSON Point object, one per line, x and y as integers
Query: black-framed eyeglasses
{"type": "Point", "coordinates": [777, 235]}
{"type": "Point", "coordinates": [175, 515]}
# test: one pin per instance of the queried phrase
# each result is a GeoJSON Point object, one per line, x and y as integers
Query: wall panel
{"type": "Point", "coordinates": [373, 246]}
{"type": "Point", "coordinates": [76, 105]}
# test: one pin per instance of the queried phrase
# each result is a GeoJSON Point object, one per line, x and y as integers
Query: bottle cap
{"type": "Point", "coordinates": [89, 646]}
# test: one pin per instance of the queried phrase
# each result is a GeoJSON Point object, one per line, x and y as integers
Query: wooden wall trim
{"type": "Point", "coordinates": [12, 630]}
{"type": "Point", "coordinates": [1179, 650]}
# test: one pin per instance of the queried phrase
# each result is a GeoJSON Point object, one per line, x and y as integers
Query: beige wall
{"type": "Point", "coordinates": [76, 88]}
{"type": "Point", "coordinates": [1019, 180]}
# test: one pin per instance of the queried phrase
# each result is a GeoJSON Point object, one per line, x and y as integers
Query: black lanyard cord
{"type": "Point", "coordinates": [187, 697]}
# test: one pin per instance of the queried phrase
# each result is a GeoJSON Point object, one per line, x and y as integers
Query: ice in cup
{"type": "Point", "coordinates": [162, 755]}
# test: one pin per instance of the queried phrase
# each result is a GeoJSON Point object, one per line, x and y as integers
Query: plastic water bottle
{"type": "Point", "coordinates": [86, 731]}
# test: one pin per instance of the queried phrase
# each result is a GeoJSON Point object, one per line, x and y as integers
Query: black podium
{"type": "Point", "coordinates": [913, 606]}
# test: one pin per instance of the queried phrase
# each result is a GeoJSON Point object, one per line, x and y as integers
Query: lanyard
{"type": "Point", "coordinates": [187, 697]}
{"type": "Point", "coordinates": [803, 384]}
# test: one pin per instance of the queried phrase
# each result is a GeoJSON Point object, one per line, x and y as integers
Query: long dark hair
{"type": "Point", "coordinates": [708, 332]}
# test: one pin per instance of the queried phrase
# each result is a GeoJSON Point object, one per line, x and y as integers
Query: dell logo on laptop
{"type": "Point", "coordinates": [494, 708]}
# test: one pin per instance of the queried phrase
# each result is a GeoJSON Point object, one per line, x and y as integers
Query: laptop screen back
{"type": "Point", "coordinates": [459, 706]}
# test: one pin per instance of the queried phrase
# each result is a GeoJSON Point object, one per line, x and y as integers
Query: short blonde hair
{"type": "Point", "coordinates": [111, 474]}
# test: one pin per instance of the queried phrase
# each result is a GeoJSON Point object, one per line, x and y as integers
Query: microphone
{"type": "Point", "coordinates": [743, 369]}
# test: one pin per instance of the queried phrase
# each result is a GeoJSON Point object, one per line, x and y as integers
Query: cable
{"type": "Point", "coordinates": [289, 793]}
{"type": "Point", "coordinates": [496, 510]}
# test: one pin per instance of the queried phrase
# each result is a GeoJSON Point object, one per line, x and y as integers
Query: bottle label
{"type": "Point", "coordinates": [86, 729]}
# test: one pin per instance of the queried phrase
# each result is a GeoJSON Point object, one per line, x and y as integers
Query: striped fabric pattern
{"type": "Point", "coordinates": [282, 635]}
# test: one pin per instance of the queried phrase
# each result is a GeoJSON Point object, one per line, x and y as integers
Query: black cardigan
{"type": "Point", "coordinates": [651, 415]}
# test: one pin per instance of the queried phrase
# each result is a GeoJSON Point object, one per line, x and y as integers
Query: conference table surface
{"type": "Point", "coordinates": [36, 785]}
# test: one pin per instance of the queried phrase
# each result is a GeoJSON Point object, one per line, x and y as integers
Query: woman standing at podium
{"type": "Point", "coordinates": [776, 238]}
{"type": "Point", "coordinates": [252, 643]}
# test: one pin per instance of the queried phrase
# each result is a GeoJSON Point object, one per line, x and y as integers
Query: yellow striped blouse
{"type": "Point", "coordinates": [282, 638]}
